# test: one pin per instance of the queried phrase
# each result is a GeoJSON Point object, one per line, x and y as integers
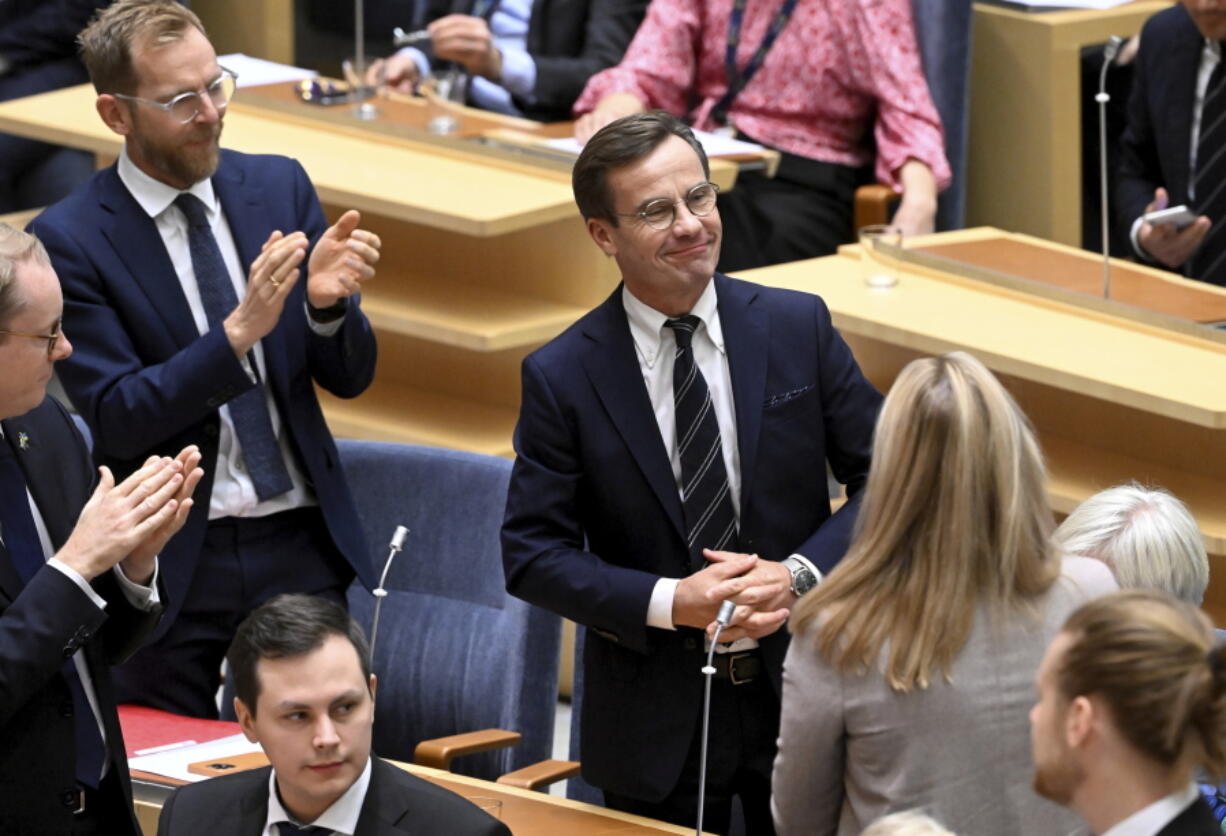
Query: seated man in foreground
{"type": "Point", "coordinates": [305, 693]}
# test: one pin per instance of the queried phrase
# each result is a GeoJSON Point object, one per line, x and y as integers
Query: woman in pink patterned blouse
{"type": "Point", "coordinates": [837, 68]}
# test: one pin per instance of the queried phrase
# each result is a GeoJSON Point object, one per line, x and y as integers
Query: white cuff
{"type": "Point", "coordinates": [1134, 235]}
{"type": "Point", "coordinates": [75, 576]}
{"type": "Point", "coordinates": [420, 59]}
{"type": "Point", "coordinates": [660, 608]}
{"type": "Point", "coordinates": [142, 597]}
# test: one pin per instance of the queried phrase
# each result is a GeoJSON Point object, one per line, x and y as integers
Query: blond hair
{"type": "Point", "coordinates": [954, 514]}
{"type": "Point", "coordinates": [906, 823]}
{"type": "Point", "coordinates": [1147, 536]}
{"type": "Point", "coordinates": [16, 247]}
{"type": "Point", "coordinates": [106, 44]}
{"type": "Point", "coordinates": [1155, 662]}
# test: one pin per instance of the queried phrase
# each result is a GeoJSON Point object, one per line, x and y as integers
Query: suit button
{"type": "Point", "coordinates": [66, 709]}
{"type": "Point", "coordinates": [69, 799]}
{"type": "Point", "coordinates": [691, 643]}
{"type": "Point", "coordinates": [211, 431]}
{"type": "Point", "coordinates": [213, 403]}
{"type": "Point", "coordinates": [70, 649]}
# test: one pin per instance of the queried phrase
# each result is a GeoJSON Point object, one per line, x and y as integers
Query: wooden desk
{"type": "Point", "coordinates": [525, 812]}
{"type": "Point", "coordinates": [484, 260]}
{"type": "Point", "coordinates": [1114, 395]}
{"type": "Point", "coordinates": [1024, 164]}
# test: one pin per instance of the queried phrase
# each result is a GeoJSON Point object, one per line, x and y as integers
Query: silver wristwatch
{"type": "Point", "coordinates": [803, 577]}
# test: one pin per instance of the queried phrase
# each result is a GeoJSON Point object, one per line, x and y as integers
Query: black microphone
{"type": "Point", "coordinates": [722, 619]}
{"type": "Point", "coordinates": [395, 546]}
{"type": "Point", "coordinates": [1110, 50]}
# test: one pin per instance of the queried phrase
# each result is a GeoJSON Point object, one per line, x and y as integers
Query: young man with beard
{"type": "Point", "coordinates": [1132, 705]}
{"type": "Point", "coordinates": [209, 296]}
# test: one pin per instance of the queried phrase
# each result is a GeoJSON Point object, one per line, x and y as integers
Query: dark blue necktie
{"type": "Point", "coordinates": [286, 828]}
{"type": "Point", "coordinates": [705, 493]}
{"type": "Point", "coordinates": [249, 411]}
{"type": "Point", "coordinates": [26, 551]}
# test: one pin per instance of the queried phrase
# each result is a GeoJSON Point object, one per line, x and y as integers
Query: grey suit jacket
{"type": "Point", "coordinates": [852, 750]}
{"type": "Point", "coordinates": [396, 803]}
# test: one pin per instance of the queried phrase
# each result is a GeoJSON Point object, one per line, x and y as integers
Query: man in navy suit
{"type": "Point", "coordinates": [672, 450]}
{"type": "Point", "coordinates": [209, 299]}
{"type": "Point", "coordinates": [1171, 150]}
{"type": "Point", "coordinates": [78, 575]}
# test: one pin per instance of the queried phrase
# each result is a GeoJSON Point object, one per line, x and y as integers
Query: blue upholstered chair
{"type": "Point", "coordinates": [455, 652]}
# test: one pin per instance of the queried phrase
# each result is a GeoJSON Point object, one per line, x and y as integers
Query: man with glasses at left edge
{"type": "Point", "coordinates": [206, 295]}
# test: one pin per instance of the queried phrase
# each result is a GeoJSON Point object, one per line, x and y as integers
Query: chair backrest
{"type": "Point", "coordinates": [455, 652]}
{"type": "Point", "coordinates": [943, 28]}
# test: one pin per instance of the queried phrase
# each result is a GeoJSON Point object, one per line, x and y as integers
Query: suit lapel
{"type": "Point", "coordinates": [134, 237]}
{"type": "Point", "coordinates": [747, 337]}
{"type": "Point", "coordinates": [1181, 92]}
{"type": "Point", "coordinates": [611, 365]}
{"type": "Point", "coordinates": [380, 810]}
{"type": "Point", "coordinates": [45, 483]}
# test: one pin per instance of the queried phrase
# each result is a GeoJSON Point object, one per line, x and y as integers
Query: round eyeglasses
{"type": "Point", "coordinates": [662, 212]}
{"type": "Point", "coordinates": [52, 339]}
{"type": "Point", "coordinates": [185, 107]}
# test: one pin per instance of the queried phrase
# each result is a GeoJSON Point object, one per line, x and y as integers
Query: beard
{"type": "Point", "coordinates": [175, 163]}
{"type": "Point", "coordinates": [1058, 780]}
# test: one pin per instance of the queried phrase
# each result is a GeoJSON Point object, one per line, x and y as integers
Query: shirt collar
{"type": "Point", "coordinates": [1149, 820]}
{"type": "Point", "coordinates": [154, 196]}
{"type": "Point", "coordinates": [341, 817]}
{"type": "Point", "coordinates": [647, 324]}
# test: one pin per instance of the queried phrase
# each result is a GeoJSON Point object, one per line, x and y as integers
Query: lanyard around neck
{"type": "Point", "coordinates": [739, 77]}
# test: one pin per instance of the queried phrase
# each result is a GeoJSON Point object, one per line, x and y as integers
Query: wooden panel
{"type": "Point", "coordinates": [260, 28]}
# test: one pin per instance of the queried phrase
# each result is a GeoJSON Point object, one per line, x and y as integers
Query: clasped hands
{"type": "Point", "coordinates": [343, 258]}
{"type": "Point", "coordinates": [130, 523]}
{"type": "Point", "coordinates": [464, 39]}
{"type": "Point", "coordinates": [761, 589]}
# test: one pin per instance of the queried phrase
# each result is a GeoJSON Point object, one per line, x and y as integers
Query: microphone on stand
{"type": "Point", "coordinates": [722, 619]}
{"type": "Point", "coordinates": [395, 546]}
{"type": "Point", "coordinates": [1110, 50]}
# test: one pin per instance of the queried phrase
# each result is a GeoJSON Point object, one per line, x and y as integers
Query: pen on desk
{"type": "Point", "coordinates": [166, 747]}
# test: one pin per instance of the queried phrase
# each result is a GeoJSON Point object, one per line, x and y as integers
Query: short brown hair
{"type": "Point", "coordinates": [619, 143]}
{"type": "Point", "coordinates": [106, 43]}
{"type": "Point", "coordinates": [16, 247]}
{"type": "Point", "coordinates": [1154, 661]}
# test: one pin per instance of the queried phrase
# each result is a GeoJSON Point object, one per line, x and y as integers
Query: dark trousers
{"type": "Point", "coordinates": [740, 758]}
{"type": "Point", "coordinates": [243, 563]}
{"type": "Point", "coordinates": [804, 211]}
{"type": "Point", "coordinates": [106, 811]}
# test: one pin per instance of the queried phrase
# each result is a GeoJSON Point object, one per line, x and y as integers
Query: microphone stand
{"type": "Point", "coordinates": [1110, 50]}
{"type": "Point", "coordinates": [721, 621]}
{"type": "Point", "coordinates": [396, 545]}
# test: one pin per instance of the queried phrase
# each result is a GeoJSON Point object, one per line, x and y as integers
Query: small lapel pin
{"type": "Point", "coordinates": [23, 441]}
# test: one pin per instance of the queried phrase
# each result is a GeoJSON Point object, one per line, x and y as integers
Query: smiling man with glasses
{"type": "Point", "coordinates": [210, 296]}
{"type": "Point", "coordinates": [671, 454]}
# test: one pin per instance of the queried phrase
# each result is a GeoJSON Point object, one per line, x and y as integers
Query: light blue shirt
{"type": "Point", "coordinates": [509, 27]}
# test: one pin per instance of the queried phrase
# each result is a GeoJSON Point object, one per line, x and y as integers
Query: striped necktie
{"type": "Point", "coordinates": [1209, 262]}
{"type": "Point", "coordinates": [705, 494]}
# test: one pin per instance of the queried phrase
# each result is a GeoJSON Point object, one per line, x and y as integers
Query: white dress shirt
{"type": "Point", "coordinates": [1210, 55]}
{"type": "Point", "coordinates": [341, 818]}
{"type": "Point", "coordinates": [1149, 820]}
{"type": "Point", "coordinates": [233, 491]}
{"type": "Point", "coordinates": [141, 597]}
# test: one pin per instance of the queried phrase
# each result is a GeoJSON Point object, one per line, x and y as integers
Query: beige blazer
{"type": "Point", "coordinates": [852, 750]}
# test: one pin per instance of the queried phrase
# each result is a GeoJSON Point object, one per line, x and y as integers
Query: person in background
{"type": "Point", "coordinates": [1132, 703]}
{"type": "Point", "coordinates": [911, 666]}
{"type": "Point", "coordinates": [526, 58]}
{"type": "Point", "coordinates": [1172, 150]}
{"type": "Point", "coordinates": [208, 297]}
{"type": "Point", "coordinates": [304, 691]}
{"type": "Point", "coordinates": [831, 84]}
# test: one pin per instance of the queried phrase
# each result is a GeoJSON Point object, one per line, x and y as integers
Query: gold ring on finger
{"type": "Point", "coordinates": [275, 283]}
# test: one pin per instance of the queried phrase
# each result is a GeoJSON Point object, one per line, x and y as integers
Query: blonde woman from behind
{"type": "Point", "coordinates": [911, 669]}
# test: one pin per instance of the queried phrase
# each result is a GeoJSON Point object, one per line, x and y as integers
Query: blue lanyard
{"type": "Point", "coordinates": [738, 78]}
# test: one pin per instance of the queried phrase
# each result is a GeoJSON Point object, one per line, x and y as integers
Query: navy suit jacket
{"type": "Point", "coordinates": [594, 518]}
{"type": "Point", "coordinates": [1196, 820]}
{"type": "Point", "coordinates": [147, 382]}
{"type": "Point", "coordinates": [570, 41]}
{"type": "Point", "coordinates": [1157, 142]}
{"type": "Point", "coordinates": [396, 802]}
{"type": "Point", "coordinates": [44, 622]}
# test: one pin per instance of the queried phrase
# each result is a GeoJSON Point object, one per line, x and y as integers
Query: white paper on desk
{"type": "Point", "coordinates": [716, 145]}
{"type": "Point", "coordinates": [252, 72]}
{"type": "Point", "coordinates": [174, 763]}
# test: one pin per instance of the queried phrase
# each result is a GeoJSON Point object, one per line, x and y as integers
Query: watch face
{"type": "Point", "coordinates": [803, 581]}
